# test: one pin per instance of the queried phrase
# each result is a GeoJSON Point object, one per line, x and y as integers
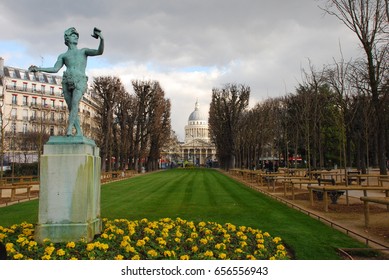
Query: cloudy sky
{"type": "Point", "coordinates": [189, 46]}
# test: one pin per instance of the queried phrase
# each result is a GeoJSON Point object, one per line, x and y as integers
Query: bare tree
{"type": "Point", "coordinates": [368, 19]}
{"type": "Point", "coordinates": [225, 111]}
{"type": "Point", "coordinates": [108, 90]}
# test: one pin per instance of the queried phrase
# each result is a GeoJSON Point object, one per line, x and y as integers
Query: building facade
{"type": "Point", "coordinates": [32, 107]}
{"type": "Point", "coordinates": [197, 147]}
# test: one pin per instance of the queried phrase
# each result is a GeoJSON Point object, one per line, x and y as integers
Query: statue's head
{"type": "Point", "coordinates": [68, 33]}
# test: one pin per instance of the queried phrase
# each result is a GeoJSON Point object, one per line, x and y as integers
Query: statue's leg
{"type": "Point", "coordinates": [68, 99]}
{"type": "Point", "coordinates": [73, 116]}
{"type": "Point", "coordinates": [78, 127]}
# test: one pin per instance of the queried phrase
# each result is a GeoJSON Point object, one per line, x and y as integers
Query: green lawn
{"type": "Point", "coordinates": [206, 195]}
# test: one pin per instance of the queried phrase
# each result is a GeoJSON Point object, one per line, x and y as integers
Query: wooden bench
{"type": "Point", "coordinates": [366, 200]}
{"type": "Point", "coordinates": [13, 189]}
{"type": "Point", "coordinates": [352, 176]}
{"type": "Point", "coordinates": [297, 181]}
{"type": "Point", "coordinates": [334, 195]}
{"type": "Point", "coordinates": [327, 189]}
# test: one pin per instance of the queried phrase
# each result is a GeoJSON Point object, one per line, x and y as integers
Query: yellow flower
{"type": "Point", "coordinates": [103, 246]}
{"type": "Point", "coordinates": [90, 246]}
{"type": "Point", "coordinates": [203, 241]}
{"type": "Point", "coordinates": [46, 257]}
{"type": "Point", "coordinates": [140, 243]}
{"type": "Point", "coordinates": [280, 247]}
{"type": "Point", "coordinates": [202, 224]}
{"type": "Point", "coordinates": [136, 257]}
{"type": "Point", "coordinates": [124, 244]}
{"type": "Point", "coordinates": [119, 257]}
{"type": "Point", "coordinates": [231, 227]}
{"type": "Point", "coordinates": [49, 250]}
{"type": "Point", "coordinates": [184, 257]}
{"type": "Point", "coordinates": [266, 234]}
{"type": "Point", "coordinates": [73, 259]}
{"type": "Point", "coordinates": [276, 239]}
{"type": "Point", "coordinates": [195, 249]}
{"type": "Point", "coordinates": [222, 256]}
{"type": "Point", "coordinates": [152, 253]}
{"type": "Point", "coordinates": [250, 257]}
{"type": "Point", "coordinates": [177, 240]}
{"type": "Point", "coordinates": [260, 246]}
{"type": "Point", "coordinates": [194, 235]}
{"type": "Point", "coordinates": [220, 246]}
{"type": "Point", "coordinates": [208, 253]}
{"type": "Point", "coordinates": [104, 235]}
{"type": "Point", "coordinates": [161, 241]}
{"type": "Point", "coordinates": [2, 236]}
{"type": "Point", "coordinates": [60, 252]}
{"type": "Point", "coordinates": [130, 249]}
{"type": "Point", "coordinates": [243, 244]}
{"type": "Point", "coordinates": [238, 251]}
{"type": "Point", "coordinates": [70, 244]}
{"type": "Point", "coordinates": [18, 256]}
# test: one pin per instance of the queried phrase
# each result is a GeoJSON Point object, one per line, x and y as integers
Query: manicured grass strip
{"type": "Point", "coordinates": [207, 195]}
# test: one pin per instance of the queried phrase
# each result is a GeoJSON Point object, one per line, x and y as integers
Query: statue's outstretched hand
{"type": "Point", "coordinates": [97, 33]}
{"type": "Point", "coordinates": [33, 68]}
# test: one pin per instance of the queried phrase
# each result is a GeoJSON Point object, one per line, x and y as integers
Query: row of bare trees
{"type": "Point", "coordinates": [132, 128]}
{"type": "Point", "coordinates": [337, 114]}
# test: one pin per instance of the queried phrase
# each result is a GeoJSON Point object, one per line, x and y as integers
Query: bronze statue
{"type": "Point", "coordinates": [74, 80]}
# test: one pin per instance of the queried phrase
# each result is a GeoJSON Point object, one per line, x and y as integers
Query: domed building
{"type": "Point", "coordinates": [197, 147]}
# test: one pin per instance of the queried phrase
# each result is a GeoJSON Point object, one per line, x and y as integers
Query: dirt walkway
{"type": "Point", "coordinates": [346, 218]}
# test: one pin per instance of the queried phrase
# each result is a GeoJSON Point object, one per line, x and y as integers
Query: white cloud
{"type": "Point", "coordinates": [189, 46]}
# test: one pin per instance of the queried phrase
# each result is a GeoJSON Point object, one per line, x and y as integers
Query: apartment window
{"type": "Point", "coordinates": [43, 88]}
{"type": "Point", "coordinates": [52, 103]}
{"type": "Point", "coordinates": [25, 100]}
{"type": "Point", "coordinates": [52, 90]}
{"type": "Point", "coordinates": [33, 87]}
{"type": "Point", "coordinates": [23, 75]}
{"type": "Point", "coordinates": [14, 85]}
{"type": "Point", "coordinates": [44, 102]}
{"type": "Point", "coordinates": [51, 130]}
{"type": "Point", "coordinates": [13, 114]}
{"type": "Point", "coordinates": [13, 129]}
{"type": "Point", "coordinates": [52, 116]}
{"type": "Point", "coordinates": [14, 99]}
{"type": "Point", "coordinates": [34, 101]}
{"type": "Point", "coordinates": [33, 115]}
{"type": "Point", "coordinates": [24, 128]}
{"type": "Point", "coordinates": [25, 115]}
{"type": "Point", "coordinates": [41, 78]}
{"type": "Point", "coordinates": [24, 86]}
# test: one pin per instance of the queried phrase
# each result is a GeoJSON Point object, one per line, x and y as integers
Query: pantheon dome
{"type": "Point", "coordinates": [197, 127]}
{"type": "Point", "coordinates": [197, 148]}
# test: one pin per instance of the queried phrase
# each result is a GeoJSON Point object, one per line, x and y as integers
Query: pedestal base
{"type": "Point", "coordinates": [69, 203]}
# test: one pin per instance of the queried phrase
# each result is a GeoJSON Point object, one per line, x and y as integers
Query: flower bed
{"type": "Point", "coordinates": [164, 239]}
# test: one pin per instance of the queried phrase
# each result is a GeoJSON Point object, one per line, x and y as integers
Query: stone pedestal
{"type": "Point", "coordinates": [69, 199]}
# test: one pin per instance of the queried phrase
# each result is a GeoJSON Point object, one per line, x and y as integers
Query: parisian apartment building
{"type": "Point", "coordinates": [32, 108]}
